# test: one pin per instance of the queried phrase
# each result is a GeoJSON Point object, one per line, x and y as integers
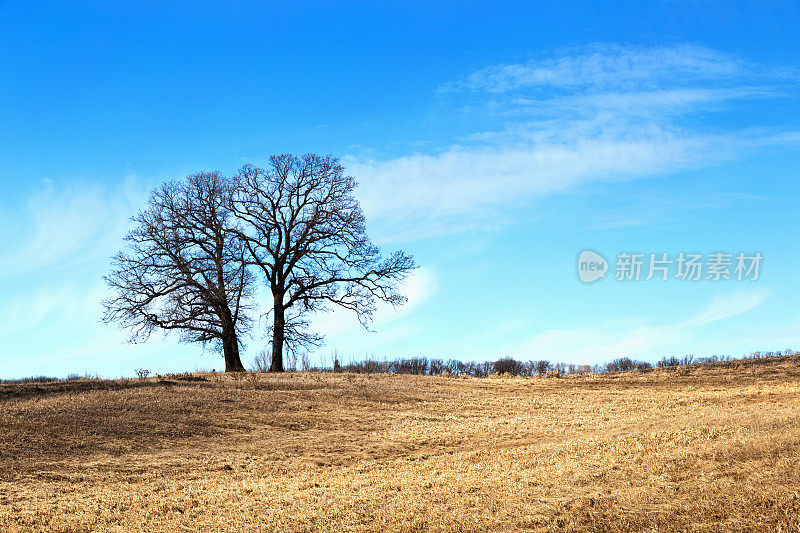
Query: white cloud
{"type": "Point", "coordinates": [611, 66]}
{"type": "Point", "coordinates": [726, 306]}
{"type": "Point", "coordinates": [418, 287]}
{"type": "Point", "coordinates": [607, 115]}
{"type": "Point", "coordinates": [461, 187]}
{"type": "Point", "coordinates": [634, 337]}
{"type": "Point", "coordinates": [55, 252]}
{"type": "Point", "coordinates": [66, 225]}
{"type": "Point", "coordinates": [52, 306]}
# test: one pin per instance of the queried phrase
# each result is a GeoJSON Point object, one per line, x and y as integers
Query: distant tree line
{"type": "Point", "coordinates": [423, 366]}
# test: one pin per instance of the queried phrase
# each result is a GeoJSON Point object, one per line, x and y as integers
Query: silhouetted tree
{"type": "Point", "coordinates": [183, 270]}
{"type": "Point", "coordinates": [305, 231]}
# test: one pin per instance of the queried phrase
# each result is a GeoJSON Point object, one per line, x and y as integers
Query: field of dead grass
{"type": "Point", "coordinates": [705, 448]}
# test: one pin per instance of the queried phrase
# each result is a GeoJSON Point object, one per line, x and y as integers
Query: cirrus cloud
{"type": "Point", "coordinates": [565, 123]}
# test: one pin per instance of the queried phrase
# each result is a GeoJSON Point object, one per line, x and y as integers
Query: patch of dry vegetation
{"type": "Point", "coordinates": [701, 448]}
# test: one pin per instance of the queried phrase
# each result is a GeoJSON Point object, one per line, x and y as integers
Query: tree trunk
{"type": "Point", "coordinates": [278, 334]}
{"type": "Point", "coordinates": [230, 349]}
{"type": "Point", "coordinates": [230, 343]}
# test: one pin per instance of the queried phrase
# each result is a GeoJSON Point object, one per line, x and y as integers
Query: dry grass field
{"type": "Point", "coordinates": [701, 449]}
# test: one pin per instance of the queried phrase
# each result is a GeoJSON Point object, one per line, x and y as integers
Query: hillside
{"type": "Point", "coordinates": [700, 448]}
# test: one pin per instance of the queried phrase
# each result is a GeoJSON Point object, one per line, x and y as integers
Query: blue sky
{"type": "Point", "coordinates": [494, 141]}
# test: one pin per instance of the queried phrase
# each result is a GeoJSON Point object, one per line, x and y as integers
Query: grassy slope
{"type": "Point", "coordinates": [708, 448]}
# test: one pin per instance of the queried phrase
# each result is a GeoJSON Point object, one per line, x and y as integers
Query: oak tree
{"type": "Point", "coordinates": [183, 269]}
{"type": "Point", "coordinates": [304, 230]}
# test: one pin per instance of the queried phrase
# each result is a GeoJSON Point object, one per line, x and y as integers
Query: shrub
{"type": "Point", "coordinates": [541, 367]}
{"type": "Point", "coordinates": [414, 365]}
{"type": "Point", "coordinates": [32, 379]}
{"type": "Point", "coordinates": [508, 365]}
{"type": "Point", "coordinates": [437, 367]}
{"type": "Point", "coordinates": [666, 362]}
{"type": "Point", "coordinates": [261, 362]}
{"type": "Point", "coordinates": [456, 367]}
{"type": "Point", "coordinates": [625, 363]}
{"type": "Point", "coordinates": [478, 370]}
{"type": "Point", "coordinates": [368, 366]}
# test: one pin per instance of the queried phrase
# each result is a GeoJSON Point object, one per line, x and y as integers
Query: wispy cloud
{"type": "Point", "coordinates": [62, 226]}
{"type": "Point", "coordinates": [566, 122]}
{"type": "Point", "coordinates": [603, 66]}
{"type": "Point", "coordinates": [56, 249]}
{"type": "Point", "coordinates": [339, 323]}
{"type": "Point", "coordinates": [634, 337]}
{"type": "Point", "coordinates": [726, 306]}
{"type": "Point", "coordinates": [50, 305]}
{"type": "Point", "coordinates": [462, 186]}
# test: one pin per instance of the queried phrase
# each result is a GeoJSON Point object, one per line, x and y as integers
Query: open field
{"type": "Point", "coordinates": [704, 448]}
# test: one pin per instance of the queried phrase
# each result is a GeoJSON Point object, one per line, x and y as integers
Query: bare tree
{"type": "Point", "coordinates": [183, 269]}
{"type": "Point", "coordinates": [305, 231]}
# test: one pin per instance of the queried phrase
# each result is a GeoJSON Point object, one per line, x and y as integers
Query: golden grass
{"type": "Point", "coordinates": [705, 449]}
